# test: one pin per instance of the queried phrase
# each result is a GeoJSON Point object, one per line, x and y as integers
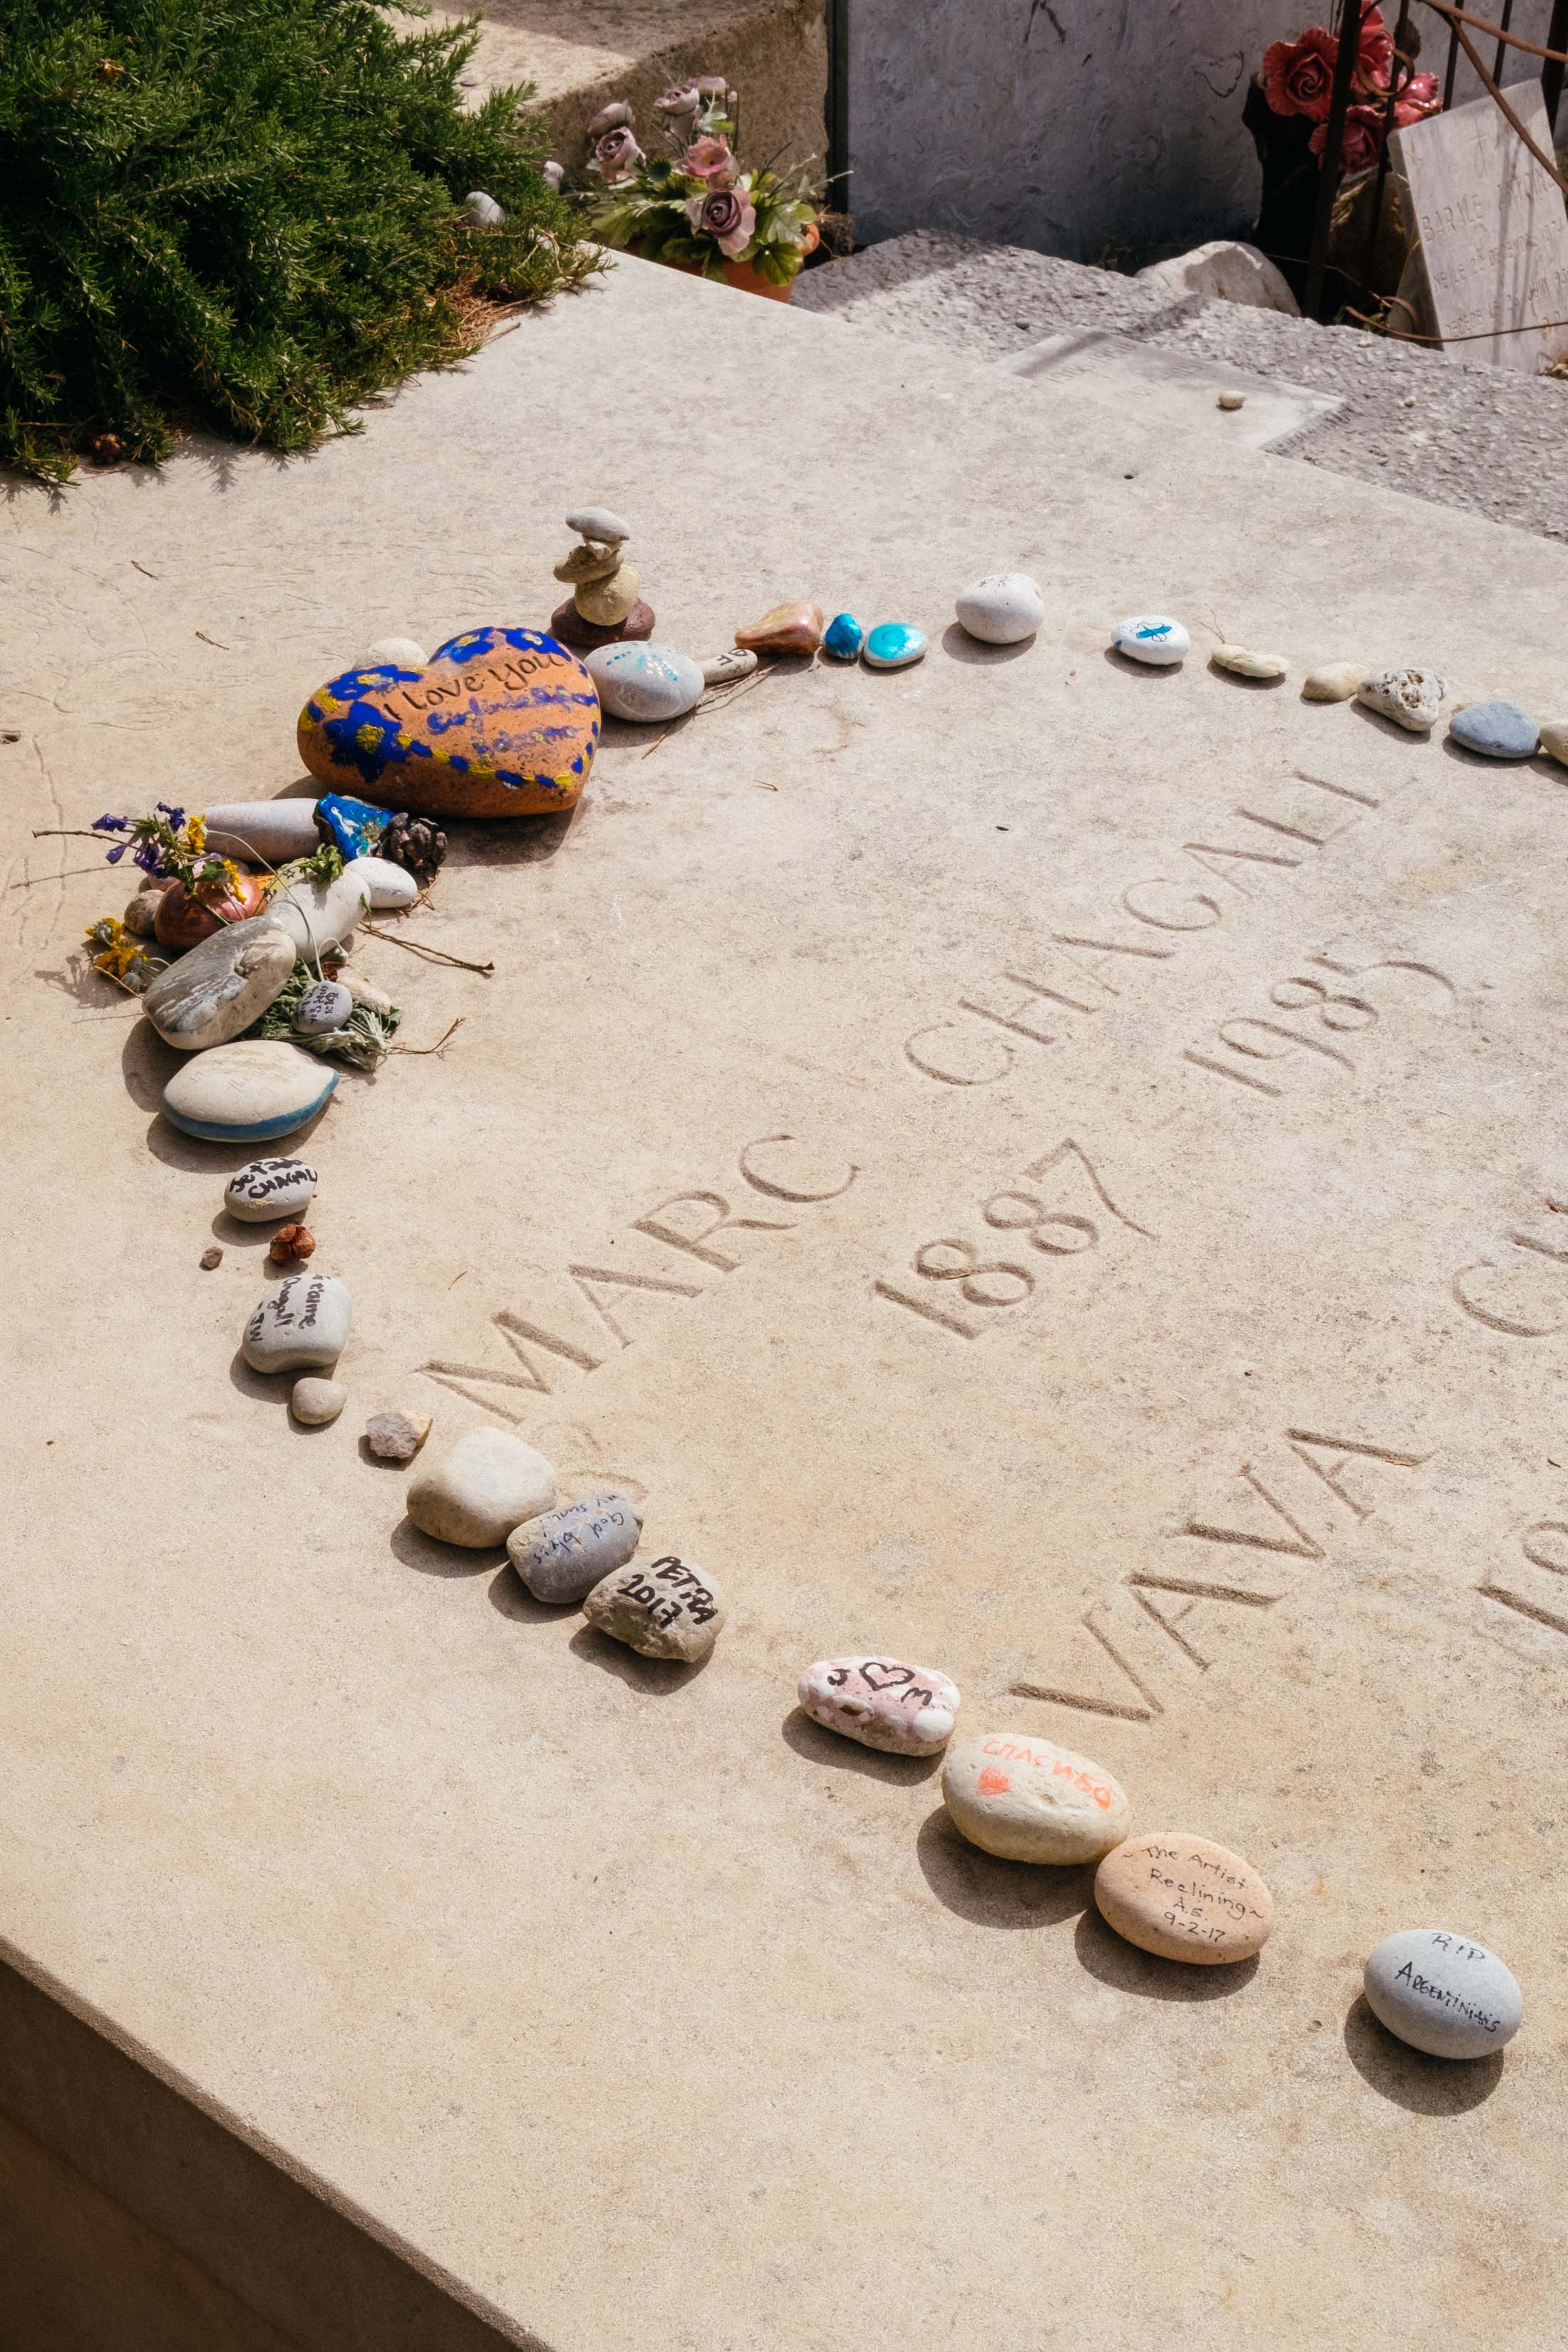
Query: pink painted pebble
{"type": "Point", "coordinates": [882, 1703]}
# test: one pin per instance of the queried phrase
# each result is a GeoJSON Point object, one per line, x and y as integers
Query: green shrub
{"type": "Point", "coordinates": [244, 215]}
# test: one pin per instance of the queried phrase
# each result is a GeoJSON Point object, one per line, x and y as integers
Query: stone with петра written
{"type": "Point", "coordinates": [665, 1609]}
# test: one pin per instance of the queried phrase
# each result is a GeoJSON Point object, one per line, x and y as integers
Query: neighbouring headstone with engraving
{"type": "Point", "coordinates": [1491, 251]}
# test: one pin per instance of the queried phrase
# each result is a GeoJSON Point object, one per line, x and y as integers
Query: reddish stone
{"type": "Point", "coordinates": [567, 624]}
{"type": "Point", "coordinates": [183, 921]}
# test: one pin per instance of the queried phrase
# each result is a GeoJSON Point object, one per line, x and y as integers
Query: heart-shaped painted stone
{"type": "Point", "coordinates": [500, 722]}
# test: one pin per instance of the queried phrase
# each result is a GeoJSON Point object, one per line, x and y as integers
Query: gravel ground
{"type": "Point", "coordinates": [1433, 424]}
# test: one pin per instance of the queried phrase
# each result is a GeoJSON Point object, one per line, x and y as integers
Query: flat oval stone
{"type": "Point", "coordinates": [598, 523]}
{"type": "Point", "coordinates": [881, 1701]}
{"type": "Point", "coordinates": [1333, 681]}
{"type": "Point", "coordinates": [500, 722]}
{"type": "Point", "coordinates": [667, 1610]}
{"type": "Point", "coordinates": [300, 1323]}
{"type": "Point", "coordinates": [404, 652]}
{"type": "Point", "coordinates": [324, 1006]}
{"type": "Point", "coordinates": [1442, 1994]}
{"type": "Point", "coordinates": [317, 914]}
{"type": "Point", "coordinates": [481, 1488]}
{"type": "Point", "coordinates": [315, 1401]}
{"type": "Point", "coordinates": [248, 1092]}
{"type": "Point", "coordinates": [1152, 637]}
{"type": "Point", "coordinates": [1184, 1897]}
{"type": "Point", "coordinates": [265, 1189]}
{"type": "Point", "coordinates": [563, 1554]}
{"type": "Point", "coordinates": [1413, 698]}
{"type": "Point", "coordinates": [724, 669]}
{"type": "Point", "coordinates": [645, 682]}
{"type": "Point", "coordinates": [1029, 1801]}
{"type": "Point", "coordinates": [1002, 609]}
{"type": "Point", "coordinates": [1555, 739]}
{"type": "Point", "coordinates": [386, 885]}
{"type": "Point", "coordinates": [843, 637]}
{"type": "Point", "coordinates": [268, 832]}
{"type": "Point", "coordinates": [1501, 730]}
{"type": "Point", "coordinates": [221, 986]}
{"type": "Point", "coordinates": [1242, 662]}
{"type": "Point", "coordinates": [792, 628]}
{"type": "Point", "coordinates": [894, 645]}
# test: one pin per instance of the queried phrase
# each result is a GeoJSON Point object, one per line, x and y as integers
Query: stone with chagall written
{"type": "Point", "coordinates": [563, 1553]}
{"type": "Point", "coordinates": [882, 1702]}
{"type": "Point", "coordinates": [1184, 1897]}
{"type": "Point", "coordinates": [667, 1610]}
{"type": "Point", "coordinates": [265, 1189]}
{"type": "Point", "coordinates": [1443, 1993]}
{"type": "Point", "coordinates": [1029, 1801]}
{"type": "Point", "coordinates": [298, 1325]}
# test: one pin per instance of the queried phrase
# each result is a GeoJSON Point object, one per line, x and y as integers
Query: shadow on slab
{"type": "Point", "coordinates": [1109, 1957]}
{"type": "Point", "coordinates": [990, 1892]}
{"type": "Point", "coordinates": [1469, 758]}
{"type": "Point", "coordinates": [415, 1549]}
{"type": "Point", "coordinates": [819, 1746]}
{"type": "Point", "coordinates": [273, 1387]}
{"type": "Point", "coordinates": [1421, 2084]}
{"type": "Point", "coordinates": [510, 1596]}
{"type": "Point", "coordinates": [1128, 667]}
{"type": "Point", "coordinates": [957, 642]}
{"type": "Point", "coordinates": [655, 1677]}
{"type": "Point", "coordinates": [1239, 678]}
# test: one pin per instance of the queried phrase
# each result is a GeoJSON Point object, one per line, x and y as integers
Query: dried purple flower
{"type": "Point", "coordinates": [111, 824]}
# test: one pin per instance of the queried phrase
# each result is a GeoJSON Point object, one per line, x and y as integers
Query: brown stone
{"type": "Point", "coordinates": [792, 628]}
{"type": "Point", "coordinates": [567, 624]}
{"type": "Point", "coordinates": [1184, 1897]}
{"type": "Point", "coordinates": [183, 921]}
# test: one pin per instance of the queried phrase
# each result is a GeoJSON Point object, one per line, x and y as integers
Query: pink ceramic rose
{"type": "Point", "coordinates": [683, 99]}
{"type": "Point", "coordinates": [1418, 98]}
{"type": "Point", "coordinates": [712, 85]}
{"type": "Point", "coordinates": [727, 217]}
{"type": "Point", "coordinates": [1362, 142]}
{"type": "Point", "coordinates": [617, 154]}
{"type": "Point", "coordinates": [709, 158]}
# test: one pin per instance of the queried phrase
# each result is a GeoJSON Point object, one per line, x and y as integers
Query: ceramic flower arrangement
{"type": "Point", "coordinates": [1298, 79]}
{"type": "Point", "coordinates": [695, 206]}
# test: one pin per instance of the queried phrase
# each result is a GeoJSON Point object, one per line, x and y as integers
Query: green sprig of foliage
{"type": "Point", "coordinates": [246, 215]}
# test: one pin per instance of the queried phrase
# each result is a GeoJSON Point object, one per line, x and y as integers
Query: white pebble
{"type": "Point", "coordinates": [1002, 609]}
{"type": "Point", "coordinates": [1245, 663]}
{"type": "Point", "coordinates": [482, 210]}
{"type": "Point", "coordinates": [882, 1702]}
{"type": "Point", "coordinates": [1333, 681]}
{"type": "Point", "coordinates": [317, 1401]}
{"type": "Point", "coordinates": [387, 886]}
{"type": "Point", "coordinates": [399, 653]}
{"type": "Point", "coordinates": [300, 1326]}
{"type": "Point", "coordinates": [265, 1189]}
{"type": "Point", "coordinates": [1152, 637]}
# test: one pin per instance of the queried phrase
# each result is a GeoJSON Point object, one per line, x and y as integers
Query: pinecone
{"type": "Point", "coordinates": [415, 843]}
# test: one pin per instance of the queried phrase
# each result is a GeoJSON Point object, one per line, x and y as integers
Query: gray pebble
{"type": "Point", "coordinates": [1443, 1994]}
{"type": "Point", "coordinates": [563, 1554]}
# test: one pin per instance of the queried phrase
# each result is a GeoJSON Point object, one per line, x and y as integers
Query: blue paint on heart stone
{"type": "Point", "coordinates": [893, 644]}
{"type": "Point", "coordinates": [843, 637]}
{"type": "Point", "coordinates": [1501, 730]}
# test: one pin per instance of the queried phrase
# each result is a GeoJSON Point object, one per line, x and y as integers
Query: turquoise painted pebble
{"type": "Point", "coordinates": [1152, 637]}
{"type": "Point", "coordinates": [893, 644]}
{"type": "Point", "coordinates": [1501, 730]}
{"type": "Point", "coordinates": [248, 1092]}
{"type": "Point", "coordinates": [843, 637]}
{"type": "Point", "coordinates": [645, 681]}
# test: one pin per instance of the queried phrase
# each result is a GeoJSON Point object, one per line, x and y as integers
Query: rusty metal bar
{"type": "Point", "coordinates": [1329, 174]}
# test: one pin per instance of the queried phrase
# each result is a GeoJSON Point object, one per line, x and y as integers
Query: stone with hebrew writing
{"type": "Point", "coordinates": [1028, 1801]}
{"type": "Point", "coordinates": [499, 722]}
{"type": "Point", "coordinates": [1443, 1993]}
{"type": "Point", "coordinates": [1184, 1897]}
{"type": "Point", "coordinates": [882, 1702]}
{"type": "Point", "coordinates": [300, 1325]}
{"type": "Point", "coordinates": [664, 1607]}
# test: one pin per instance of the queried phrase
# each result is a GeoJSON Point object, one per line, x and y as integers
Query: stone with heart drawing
{"type": "Point", "coordinates": [882, 1702]}
{"type": "Point", "coordinates": [500, 722]}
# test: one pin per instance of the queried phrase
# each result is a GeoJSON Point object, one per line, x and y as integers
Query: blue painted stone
{"type": "Point", "coordinates": [354, 826]}
{"type": "Point", "coordinates": [248, 1092]}
{"type": "Point", "coordinates": [893, 644]}
{"type": "Point", "coordinates": [1152, 637]}
{"type": "Point", "coordinates": [843, 637]}
{"type": "Point", "coordinates": [1501, 730]}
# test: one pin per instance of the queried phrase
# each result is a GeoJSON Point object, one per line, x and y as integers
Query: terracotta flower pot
{"type": "Point", "coordinates": [745, 274]}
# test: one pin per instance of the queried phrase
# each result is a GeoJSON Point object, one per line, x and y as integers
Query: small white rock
{"type": "Point", "coordinates": [487, 1484]}
{"type": "Point", "coordinates": [374, 1000]}
{"type": "Point", "coordinates": [482, 210]}
{"type": "Point", "coordinates": [397, 653]}
{"type": "Point", "coordinates": [324, 1006]}
{"type": "Point", "coordinates": [396, 1435]}
{"type": "Point", "coordinates": [1411, 697]}
{"type": "Point", "coordinates": [1231, 399]}
{"type": "Point", "coordinates": [881, 1701]}
{"type": "Point", "coordinates": [665, 1609]}
{"type": "Point", "coordinates": [300, 1325]}
{"type": "Point", "coordinates": [266, 1189]}
{"type": "Point", "coordinates": [644, 681]}
{"type": "Point", "coordinates": [1555, 739]}
{"type": "Point", "coordinates": [387, 886]}
{"type": "Point", "coordinates": [1443, 1994]}
{"type": "Point", "coordinates": [1002, 609]}
{"type": "Point", "coordinates": [552, 174]}
{"type": "Point", "coordinates": [561, 1555]}
{"type": "Point", "coordinates": [601, 524]}
{"type": "Point", "coordinates": [1029, 1801]}
{"type": "Point", "coordinates": [724, 669]}
{"type": "Point", "coordinates": [1152, 637]}
{"type": "Point", "coordinates": [1245, 663]}
{"type": "Point", "coordinates": [1333, 681]}
{"type": "Point", "coordinates": [316, 1402]}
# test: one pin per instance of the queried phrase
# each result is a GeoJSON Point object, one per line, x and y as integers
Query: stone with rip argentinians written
{"type": "Point", "coordinates": [563, 1554]}
{"type": "Point", "coordinates": [499, 722]}
{"type": "Point", "coordinates": [300, 1325]}
{"type": "Point", "coordinates": [1029, 1801]}
{"type": "Point", "coordinates": [481, 1488]}
{"type": "Point", "coordinates": [1185, 1899]}
{"type": "Point", "coordinates": [1443, 1993]}
{"type": "Point", "coordinates": [667, 1610]}
{"type": "Point", "coordinates": [221, 986]}
{"type": "Point", "coordinates": [883, 1703]}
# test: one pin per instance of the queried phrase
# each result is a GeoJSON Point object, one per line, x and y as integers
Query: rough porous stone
{"type": "Point", "coordinates": [396, 1435]}
{"type": "Point", "coordinates": [265, 1189]}
{"type": "Point", "coordinates": [1442, 1994]}
{"type": "Point", "coordinates": [1029, 1801]}
{"type": "Point", "coordinates": [1333, 681]}
{"type": "Point", "coordinates": [1499, 730]}
{"type": "Point", "coordinates": [263, 832]}
{"type": "Point", "coordinates": [482, 1488]}
{"type": "Point", "coordinates": [843, 637]}
{"type": "Point", "coordinates": [882, 1702]}
{"type": "Point", "coordinates": [248, 1092]}
{"type": "Point", "coordinates": [221, 986]}
{"type": "Point", "coordinates": [1184, 1897]}
{"type": "Point", "coordinates": [1413, 698]}
{"type": "Point", "coordinates": [667, 1610]}
{"type": "Point", "coordinates": [647, 683]}
{"type": "Point", "coordinates": [1153, 638]}
{"type": "Point", "coordinates": [500, 722]}
{"type": "Point", "coordinates": [893, 644]}
{"type": "Point", "coordinates": [316, 1402]}
{"type": "Point", "coordinates": [1244, 663]}
{"type": "Point", "coordinates": [563, 1554]}
{"type": "Point", "coordinates": [795, 627]}
{"type": "Point", "coordinates": [1002, 609]}
{"type": "Point", "coordinates": [301, 1322]}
